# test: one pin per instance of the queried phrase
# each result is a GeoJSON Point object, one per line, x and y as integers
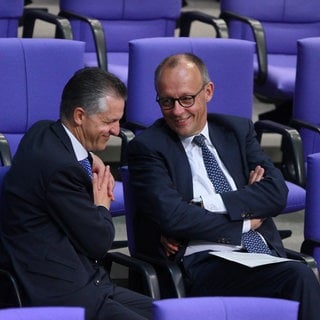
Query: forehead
{"type": "Point", "coordinates": [112, 107]}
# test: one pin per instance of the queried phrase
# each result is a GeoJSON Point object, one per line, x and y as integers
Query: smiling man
{"type": "Point", "coordinates": [201, 182]}
{"type": "Point", "coordinates": [56, 225]}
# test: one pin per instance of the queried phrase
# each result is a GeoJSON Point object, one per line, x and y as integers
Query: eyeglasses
{"type": "Point", "coordinates": [167, 103]}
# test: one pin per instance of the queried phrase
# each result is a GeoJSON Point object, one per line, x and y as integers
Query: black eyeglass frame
{"type": "Point", "coordinates": [172, 101]}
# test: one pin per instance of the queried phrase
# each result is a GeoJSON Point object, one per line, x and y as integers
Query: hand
{"type": "Point", "coordinates": [170, 245]}
{"type": "Point", "coordinates": [256, 223]}
{"type": "Point", "coordinates": [98, 167]}
{"type": "Point", "coordinates": [103, 187]}
{"type": "Point", "coordinates": [256, 174]}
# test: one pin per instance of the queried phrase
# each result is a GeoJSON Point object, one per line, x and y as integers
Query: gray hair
{"type": "Point", "coordinates": [87, 88]}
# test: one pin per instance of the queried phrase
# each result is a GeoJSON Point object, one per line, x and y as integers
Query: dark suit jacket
{"type": "Point", "coordinates": [162, 186]}
{"type": "Point", "coordinates": [52, 232]}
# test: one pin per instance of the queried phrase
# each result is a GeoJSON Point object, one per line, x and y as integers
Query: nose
{"type": "Point", "coordinates": [177, 108]}
{"type": "Point", "coordinates": [115, 129]}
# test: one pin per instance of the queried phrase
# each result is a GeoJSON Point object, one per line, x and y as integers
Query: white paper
{"type": "Point", "coordinates": [250, 259]}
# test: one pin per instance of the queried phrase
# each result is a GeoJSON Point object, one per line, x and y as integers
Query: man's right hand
{"type": "Point", "coordinates": [103, 187]}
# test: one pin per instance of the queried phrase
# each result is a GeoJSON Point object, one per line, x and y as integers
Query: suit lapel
{"type": "Point", "coordinates": [227, 147]}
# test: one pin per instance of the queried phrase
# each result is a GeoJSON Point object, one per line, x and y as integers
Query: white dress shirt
{"type": "Point", "coordinates": [204, 189]}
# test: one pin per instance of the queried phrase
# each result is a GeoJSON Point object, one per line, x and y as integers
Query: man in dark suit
{"type": "Point", "coordinates": [180, 214]}
{"type": "Point", "coordinates": [57, 228]}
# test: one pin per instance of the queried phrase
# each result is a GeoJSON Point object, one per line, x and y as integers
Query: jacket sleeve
{"type": "Point", "coordinates": [70, 203]}
{"type": "Point", "coordinates": [161, 179]}
{"type": "Point", "coordinates": [262, 199]}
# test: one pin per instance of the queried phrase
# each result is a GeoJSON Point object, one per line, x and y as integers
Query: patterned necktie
{"type": "Point", "coordinates": [86, 166]}
{"type": "Point", "coordinates": [215, 174]}
{"type": "Point", "coordinates": [251, 240]}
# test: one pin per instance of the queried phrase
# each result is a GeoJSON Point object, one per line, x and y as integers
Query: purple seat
{"type": "Point", "coordinates": [43, 313]}
{"type": "Point", "coordinates": [311, 243]}
{"type": "Point", "coordinates": [306, 111]}
{"type": "Point", "coordinates": [142, 109]}
{"type": "Point", "coordinates": [36, 71]}
{"type": "Point", "coordinates": [221, 308]}
{"type": "Point", "coordinates": [278, 25]}
{"type": "Point", "coordinates": [115, 23]}
{"type": "Point", "coordinates": [10, 13]}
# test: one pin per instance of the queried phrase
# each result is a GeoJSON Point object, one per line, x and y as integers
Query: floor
{"type": "Point", "coordinates": [292, 221]}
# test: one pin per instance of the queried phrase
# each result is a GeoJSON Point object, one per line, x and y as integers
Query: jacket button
{"type": "Point", "coordinates": [97, 282]}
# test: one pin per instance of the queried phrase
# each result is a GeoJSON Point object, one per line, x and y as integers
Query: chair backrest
{"type": "Point", "coordinates": [43, 313]}
{"type": "Point", "coordinates": [220, 308]}
{"type": "Point", "coordinates": [35, 72]}
{"type": "Point", "coordinates": [10, 13]}
{"type": "Point", "coordinates": [122, 21]}
{"type": "Point", "coordinates": [312, 210]}
{"type": "Point", "coordinates": [307, 95]}
{"type": "Point", "coordinates": [230, 65]}
{"type": "Point", "coordinates": [284, 21]}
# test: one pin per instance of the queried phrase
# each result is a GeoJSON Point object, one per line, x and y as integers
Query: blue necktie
{"type": "Point", "coordinates": [251, 240]}
{"type": "Point", "coordinates": [215, 174]}
{"type": "Point", "coordinates": [86, 166]}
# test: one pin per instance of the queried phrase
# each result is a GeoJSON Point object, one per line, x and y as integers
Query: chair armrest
{"type": "Point", "coordinates": [299, 124]}
{"type": "Point", "coordinates": [63, 27]}
{"type": "Point", "coordinates": [293, 162]}
{"type": "Point", "coordinates": [186, 19]}
{"type": "Point", "coordinates": [5, 153]}
{"type": "Point", "coordinates": [306, 258]}
{"type": "Point", "coordinates": [142, 267]}
{"type": "Point", "coordinates": [126, 136]}
{"type": "Point", "coordinates": [259, 37]}
{"type": "Point", "coordinates": [172, 269]}
{"type": "Point", "coordinates": [97, 33]}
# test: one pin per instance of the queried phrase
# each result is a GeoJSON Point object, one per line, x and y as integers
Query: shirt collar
{"type": "Point", "coordinates": [80, 152]}
{"type": "Point", "coordinates": [187, 141]}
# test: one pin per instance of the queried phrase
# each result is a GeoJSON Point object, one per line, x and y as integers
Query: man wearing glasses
{"type": "Point", "coordinates": [201, 182]}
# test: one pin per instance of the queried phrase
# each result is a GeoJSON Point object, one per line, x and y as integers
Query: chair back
{"type": "Point", "coordinates": [312, 210]}
{"type": "Point", "coordinates": [35, 72]}
{"type": "Point", "coordinates": [10, 13]}
{"type": "Point", "coordinates": [220, 308]}
{"type": "Point", "coordinates": [121, 21]}
{"type": "Point", "coordinates": [230, 66]}
{"type": "Point", "coordinates": [283, 23]}
{"type": "Point", "coordinates": [43, 313]}
{"type": "Point", "coordinates": [307, 94]}
{"type": "Point", "coordinates": [129, 208]}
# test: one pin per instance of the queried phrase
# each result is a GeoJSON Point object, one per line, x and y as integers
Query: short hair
{"type": "Point", "coordinates": [86, 88]}
{"type": "Point", "coordinates": [173, 60]}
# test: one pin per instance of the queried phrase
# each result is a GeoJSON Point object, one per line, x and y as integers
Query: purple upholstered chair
{"type": "Point", "coordinates": [277, 25]}
{"type": "Point", "coordinates": [43, 313]}
{"type": "Point", "coordinates": [232, 74]}
{"type": "Point", "coordinates": [306, 111]}
{"type": "Point", "coordinates": [114, 24]}
{"type": "Point", "coordinates": [311, 243]}
{"type": "Point", "coordinates": [221, 308]}
{"type": "Point", "coordinates": [10, 13]}
{"type": "Point", "coordinates": [35, 72]}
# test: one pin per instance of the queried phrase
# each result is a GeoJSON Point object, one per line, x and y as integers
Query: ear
{"type": "Point", "coordinates": [209, 89]}
{"type": "Point", "coordinates": [78, 115]}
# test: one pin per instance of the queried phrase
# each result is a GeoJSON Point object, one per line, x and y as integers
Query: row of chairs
{"type": "Point", "coordinates": [107, 26]}
{"type": "Point", "coordinates": [218, 308]}
{"type": "Point", "coordinates": [274, 26]}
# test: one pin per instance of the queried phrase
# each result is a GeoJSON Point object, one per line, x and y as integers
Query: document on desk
{"type": "Point", "coordinates": [249, 259]}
